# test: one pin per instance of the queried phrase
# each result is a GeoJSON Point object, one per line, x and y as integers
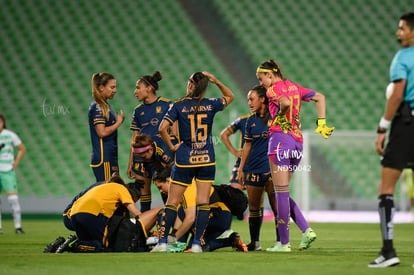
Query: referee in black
{"type": "Point", "coordinates": [399, 152]}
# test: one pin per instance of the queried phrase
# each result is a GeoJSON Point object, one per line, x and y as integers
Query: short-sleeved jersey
{"type": "Point", "coordinates": [66, 212]}
{"type": "Point", "coordinates": [102, 199]}
{"type": "Point", "coordinates": [295, 93]}
{"type": "Point", "coordinates": [146, 118]}
{"type": "Point", "coordinates": [189, 198]}
{"type": "Point", "coordinates": [239, 125]}
{"type": "Point", "coordinates": [257, 133]}
{"type": "Point", "coordinates": [103, 149]}
{"type": "Point", "coordinates": [195, 130]}
{"type": "Point", "coordinates": [402, 67]}
{"type": "Point", "coordinates": [161, 155]}
{"type": "Point", "coordinates": [8, 140]}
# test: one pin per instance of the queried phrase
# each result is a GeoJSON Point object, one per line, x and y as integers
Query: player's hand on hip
{"type": "Point", "coordinates": [283, 123]}
{"type": "Point", "coordinates": [175, 147]}
{"type": "Point", "coordinates": [323, 129]}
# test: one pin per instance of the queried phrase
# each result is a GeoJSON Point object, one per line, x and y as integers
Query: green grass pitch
{"type": "Point", "coordinates": [339, 249]}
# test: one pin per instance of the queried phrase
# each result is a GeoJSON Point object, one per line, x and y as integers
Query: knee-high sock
{"type": "Point", "coordinates": [201, 222]}
{"type": "Point", "coordinates": [297, 216]}
{"type": "Point", "coordinates": [386, 212]}
{"type": "Point", "coordinates": [283, 212]}
{"type": "Point", "coordinates": [255, 223]}
{"type": "Point", "coordinates": [15, 207]}
{"type": "Point", "coordinates": [145, 202]}
{"type": "Point", "coordinates": [167, 221]}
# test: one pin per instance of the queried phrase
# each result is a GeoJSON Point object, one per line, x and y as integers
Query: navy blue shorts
{"type": "Point", "coordinates": [184, 176]}
{"type": "Point", "coordinates": [143, 168]}
{"type": "Point", "coordinates": [105, 171]}
{"type": "Point", "coordinates": [258, 179]}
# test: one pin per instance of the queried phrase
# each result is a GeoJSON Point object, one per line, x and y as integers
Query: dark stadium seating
{"type": "Point", "coordinates": [50, 49]}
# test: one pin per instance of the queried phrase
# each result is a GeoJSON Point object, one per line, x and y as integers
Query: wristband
{"type": "Point", "coordinates": [384, 123]}
{"type": "Point", "coordinates": [381, 130]}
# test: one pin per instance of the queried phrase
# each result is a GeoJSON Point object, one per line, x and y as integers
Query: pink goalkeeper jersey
{"type": "Point", "coordinates": [295, 94]}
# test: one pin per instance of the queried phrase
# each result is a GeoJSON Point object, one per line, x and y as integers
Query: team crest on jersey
{"type": "Point", "coordinates": [158, 109]}
{"type": "Point", "coordinates": [154, 121]}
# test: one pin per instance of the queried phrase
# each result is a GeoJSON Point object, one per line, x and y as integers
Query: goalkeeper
{"type": "Point", "coordinates": [285, 139]}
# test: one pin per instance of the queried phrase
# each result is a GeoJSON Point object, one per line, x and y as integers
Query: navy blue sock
{"type": "Point", "coordinates": [167, 221]}
{"type": "Point", "coordinates": [203, 213]}
{"type": "Point", "coordinates": [255, 223]}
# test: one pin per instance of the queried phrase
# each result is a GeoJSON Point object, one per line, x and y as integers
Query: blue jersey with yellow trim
{"type": "Point", "coordinates": [239, 125]}
{"type": "Point", "coordinates": [257, 133]}
{"type": "Point", "coordinates": [103, 149]}
{"type": "Point", "coordinates": [195, 129]}
{"type": "Point", "coordinates": [162, 153]}
{"type": "Point", "coordinates": [146, 118]}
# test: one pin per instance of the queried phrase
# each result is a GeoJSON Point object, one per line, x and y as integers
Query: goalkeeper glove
{"type": "Point", "coordinates": [323, 129]}
{"type": "Point", "coordinates": [283, 123]}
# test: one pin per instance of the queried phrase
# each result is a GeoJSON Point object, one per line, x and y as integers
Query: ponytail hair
{"type": "Point", "coordinates": [270, 66]}
{"type": "Point", "coordinates": [152, 81]}
{"type": "Point", "coordinates": [99, 79]}
{"type": "Point", "coordinates": [261, 93]}
{"type": "Point", "coordinates": [200, 82]}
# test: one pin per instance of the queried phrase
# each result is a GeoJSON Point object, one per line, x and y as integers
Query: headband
{"type": "Point", "coordinates": [146, 81]}
{"type": "Point", "coordinates": [263, 70]}
{"type": "Point", "coordinates": [141, 149]}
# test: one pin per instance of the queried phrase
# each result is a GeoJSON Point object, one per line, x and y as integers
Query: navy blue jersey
{"type": "Point", "coordinates": [257, 133]}
{"type": "Point", "coordinates": [195, 130]}
{"type": "Point", "coordinates": [239, 125]}
{"type": "Point", "coordinates": [146, 118]}
{"type": "Point", "coordinates": [103, 149]}
{"type": "Point", "coordinates": [162, 156]}
{"type": "Point", "coordinates": [161, 152]}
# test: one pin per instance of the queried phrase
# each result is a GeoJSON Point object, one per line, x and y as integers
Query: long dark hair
{"type": "Point", "coordinates": [261, 93]}
{"type": "Point", "coordinates": [270, 66]}
{"type": "Point", "coordinates": [152, 80]}
{"type": "Point", "coordinates": [200, 82]}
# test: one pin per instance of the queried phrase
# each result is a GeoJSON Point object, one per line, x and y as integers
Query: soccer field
{"type": "Point", "coordinates": [339, 249]}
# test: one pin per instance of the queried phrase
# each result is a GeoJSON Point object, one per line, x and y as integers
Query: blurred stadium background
{"type": "Point", "coordinates": [51, 48]}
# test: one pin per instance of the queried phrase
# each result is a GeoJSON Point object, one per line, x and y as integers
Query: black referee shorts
{"type": "Point", "coordinates": [399, 151]}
